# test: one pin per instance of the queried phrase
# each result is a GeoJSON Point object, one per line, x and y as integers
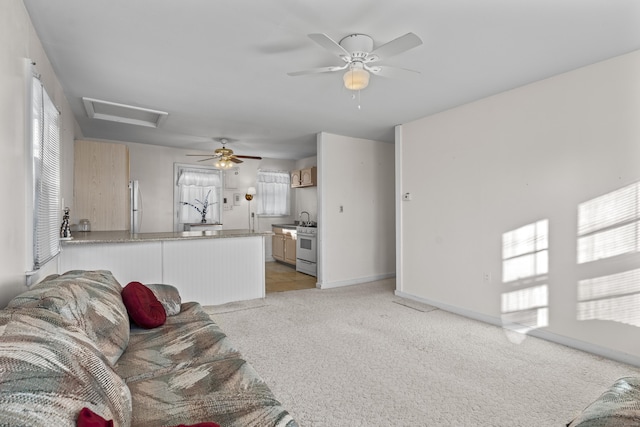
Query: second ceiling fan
{"type": "Point", "coordinates": [357, 51]}
{"type": "Point", "coordinates": [225, 156]}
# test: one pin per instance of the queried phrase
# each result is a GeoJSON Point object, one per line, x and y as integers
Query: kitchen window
{"type": "Point", "coordinates": [273, 193]}
{"type": "Point", "coordinates": [197, 195]}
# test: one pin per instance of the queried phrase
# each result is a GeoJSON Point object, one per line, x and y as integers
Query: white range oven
{"type": "Point", "coordinates": [306, 250]}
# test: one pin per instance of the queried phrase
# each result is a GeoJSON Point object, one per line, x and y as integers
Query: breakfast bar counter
{"type": "Point", "coordinates": [83, 237]}
{"type": "Point", "coordinates": [212, 267]}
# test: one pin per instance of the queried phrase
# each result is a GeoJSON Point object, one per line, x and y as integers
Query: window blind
{"type": "Point", "coordinates": [45, 146]}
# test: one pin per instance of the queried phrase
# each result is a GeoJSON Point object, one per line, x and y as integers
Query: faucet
{"type": "Point", "coordinates": [308, 218]}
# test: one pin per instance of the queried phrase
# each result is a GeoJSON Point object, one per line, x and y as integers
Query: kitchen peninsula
{"type": "Point", "coordinates": [212, 267]}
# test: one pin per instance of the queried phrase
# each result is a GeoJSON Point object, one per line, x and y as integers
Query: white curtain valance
{"type": "Point", "coordinates": [276, 177]}
{"type": "Point", "coordinates": [200, 179]}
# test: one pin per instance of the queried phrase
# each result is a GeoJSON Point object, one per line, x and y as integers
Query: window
{"type": "Point", "coordinates": [197, 194]}
{"type": "Point", "coordinates": [44, 145]}
{"type": "Point", "coordinates": [273, 193]}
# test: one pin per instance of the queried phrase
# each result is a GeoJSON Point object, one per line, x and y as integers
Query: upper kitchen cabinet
{"type": "Point", "coordinates": [304, 177]}
{"type": "Point", "coordinates": [101, 184]}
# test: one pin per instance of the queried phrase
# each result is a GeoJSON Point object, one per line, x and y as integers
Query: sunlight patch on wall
{"type": "Point", "coordinates": [525, 251]}
{"type": "Point", "coordinates": [609, 225]}
{"type": "Point", "coordinates": [615, 297]}
{"type": "Point", "coordinates": [525, 261]}
{"type": "Point", "coordinates": [526, 309]}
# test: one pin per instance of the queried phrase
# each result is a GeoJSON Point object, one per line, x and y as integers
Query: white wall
{"type": "Point", "coordinates": [358, 244]}
{"type": "Point", "coordinates": [19, 41]}
{"type": "Point", "coordinates": [492, 166]}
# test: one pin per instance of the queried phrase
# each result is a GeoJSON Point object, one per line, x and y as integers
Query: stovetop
{"type": "Point", "coordinates": [310, 229]}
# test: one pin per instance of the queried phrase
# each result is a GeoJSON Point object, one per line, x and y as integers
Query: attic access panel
{"type": "Point", "coordinates": [122, 113]}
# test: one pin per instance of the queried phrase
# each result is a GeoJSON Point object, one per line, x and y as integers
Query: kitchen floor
{"type": "Point", "coordinates": [282, 277]}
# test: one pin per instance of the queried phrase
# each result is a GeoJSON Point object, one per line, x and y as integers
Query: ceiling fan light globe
{"type": "Point", "coordinates": [356, 79]}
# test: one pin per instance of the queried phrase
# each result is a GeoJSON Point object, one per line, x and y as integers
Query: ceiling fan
{"type": "Point", "coordinates": [225, 157]}
{"type": "Point", "coordinates": [357, 51]}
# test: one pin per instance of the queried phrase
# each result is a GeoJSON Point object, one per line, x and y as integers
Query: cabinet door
{"type": "Point", "coordinates": [101, 185]}
{"type": "Point", "coordinates": [295, 178]}
{"type": "Point", "coordinates": [290, 250]}
{"type": "Point", "coordinates": [308, 177]}
{"type": "Point", "coordinates": [277, 247]}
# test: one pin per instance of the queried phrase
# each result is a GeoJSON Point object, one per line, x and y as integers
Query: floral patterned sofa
{"type": "Point", "coordinates": [68, 345]}
{"type": "Point", "coordinates": [618, 406]}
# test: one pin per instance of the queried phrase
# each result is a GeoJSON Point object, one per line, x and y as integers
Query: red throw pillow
{"type": "Point", "coordinates": [88, 418]}
{"type": "Point", "coordinates": [143, 306]}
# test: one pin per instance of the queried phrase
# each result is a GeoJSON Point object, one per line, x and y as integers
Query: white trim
{"type": "Point", "coordinates": [399, 205]}
{"type": "Point", "coordinates": [320, 236]}
{"type": "Point", "coordinates": [29, 73]}
{"type": "Point", "coordinates": [538, 333]}
{"type": "Point", "coordinates": [356, 281]}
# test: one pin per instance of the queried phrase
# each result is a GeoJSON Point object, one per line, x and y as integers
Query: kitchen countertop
{"type": "Point", "coordinates": [285, 226]}
{"type": "Point", "coordinates": [87, 237]}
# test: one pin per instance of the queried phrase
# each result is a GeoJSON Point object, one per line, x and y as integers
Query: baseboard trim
{"type": "Point", "coordinates": [357, 281]}
{"type": "Point", "coordinates": [605, 352]}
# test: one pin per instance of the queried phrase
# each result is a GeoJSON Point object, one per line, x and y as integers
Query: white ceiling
{"type": "Point", "coordinates": [219, 67]}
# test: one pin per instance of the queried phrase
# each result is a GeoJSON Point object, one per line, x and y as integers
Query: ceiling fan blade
{"type": "Point", "coordinates": [234, 159]}
{"type": "Point", "coordinates": [392, 72]}
{"type": "Point", "coordinates": [248, 157]}
{"type": "Point", "coordinates": [318, 70]}
{"type": "Point", "coordinates": [208, 158]}
{"type": "Point", "coordinates": [201, 155]}
{"type": "Point", "coordinates": [394, 47]}
{"type": "Point", "coordinates": [328, 43]}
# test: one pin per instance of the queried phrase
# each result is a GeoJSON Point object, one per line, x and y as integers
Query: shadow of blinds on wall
{"type": "Point", "coordinates": [43, 142]}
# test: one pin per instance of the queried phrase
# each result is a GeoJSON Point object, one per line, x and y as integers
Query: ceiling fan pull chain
{"type": "Point", "coordinates": [353, 97]}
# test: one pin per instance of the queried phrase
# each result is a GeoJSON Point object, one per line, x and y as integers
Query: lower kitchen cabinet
{"type": "Point", "coordinates": [277, 246]}
{"type": "Point", "coordinates": [283, 246]}
{"type": "Point", "coordinates": [289, 249]}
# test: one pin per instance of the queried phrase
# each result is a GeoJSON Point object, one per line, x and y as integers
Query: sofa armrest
{"type": "Point", "coordinates": [619, 405]}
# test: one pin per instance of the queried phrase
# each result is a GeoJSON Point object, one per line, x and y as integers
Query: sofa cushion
{"type": "Point", "coordinates": [168, 296]}
{"type": "Point", "coordinates": [88, 299]}
{"type": "Point", "coordinates": [50, 370]}
{"type": "Point", "coordinates": [143, 306]}
{"type": "Point", "coordinates": [184, 340]}
{"type": "Point", "coordinates": [228, 391]}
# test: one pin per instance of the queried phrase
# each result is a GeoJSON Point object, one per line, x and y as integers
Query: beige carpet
{"type": "Point", "coordinates": [360, 356]}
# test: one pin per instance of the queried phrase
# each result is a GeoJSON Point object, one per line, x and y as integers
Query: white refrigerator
{"type": "Point", "coordinates": [135, 203]}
